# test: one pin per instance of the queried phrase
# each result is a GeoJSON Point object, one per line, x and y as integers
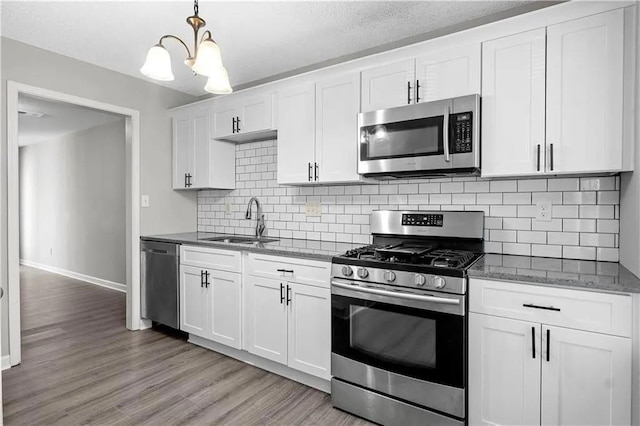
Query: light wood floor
{"type": "Point", "coordinates": [80, 365]}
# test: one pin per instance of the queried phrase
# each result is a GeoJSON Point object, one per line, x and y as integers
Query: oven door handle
{"type": "Point", "coordinates": [397, 294]}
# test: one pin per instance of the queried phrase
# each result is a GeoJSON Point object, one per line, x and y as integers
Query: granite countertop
{"type": "Point", "coordinates": [580, 274]}
{"type": "Point", "coordinates": [309, 249]}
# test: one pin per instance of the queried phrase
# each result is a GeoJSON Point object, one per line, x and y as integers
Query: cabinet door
{"type": "Point", "coordinates": [504, 371]}
{"type": "Point", "coordinates": [296, 134]}
{"type": "Point", "coordinates": [513, 105]}
{"type": "Point", "coordinates": [310, 330]}
{"type": "Point", "coordinates": [222, 118]}
{"type": "Point", "coordinates": [266, 325]}
{"type": "Point", "coordinates": [255, 114]}
{"type": "Point", "coordinates": [337, 108]}
{"type": "Point", "coordinates": [584, 93]}
{"type": "Point", "coordinates": [225, 313]}
{"type": "Point", "coordinates": [587, 379]}
{"type": "Point", "coordinates": [388, 86]}
{"type": "Point", "coordinates": [449, 73]}
{"type": "Point", "coordinates": [202, 145]}
{"type": "Point", "coordinates": [182, 149]}
{"type": "Point", "coordinates": [193, 302]}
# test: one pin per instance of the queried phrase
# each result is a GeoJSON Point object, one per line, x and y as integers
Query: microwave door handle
{"type": "Point", "coordinates": [445, 135]}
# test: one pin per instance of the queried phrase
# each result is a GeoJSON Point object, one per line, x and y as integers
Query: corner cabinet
{"type": "Point", "coordinates": [317, 132]}
{"type": "Point", "coordinates": [288, 318]}
{"type": "Point", "coordinates": [552, 99]}
{"type": "Point", "coordinates": [548, 356]}
{"type": "Point", "coordinates": [200, 162]}
{"type": "Point", "coordinates": [443, 73]}
{"type": "Point", "coordinates": [210, 294]}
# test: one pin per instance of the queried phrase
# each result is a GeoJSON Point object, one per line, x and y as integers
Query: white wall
{"type": "Point", "coordinates": [72, 202]}
{"type": "Point", "coordinates": [170, 211]}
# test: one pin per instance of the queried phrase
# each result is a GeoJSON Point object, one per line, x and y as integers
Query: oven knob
{"type": "Point", "coordinates": [420, 280]}
{"type": "Point", "coordinates": [363, 273]}
{"type": "Point", "coordinates": [439, 282]}
{"type": "Point", "coordinates": [389, 276]}
{"type": "Point", "coordinates": [346, 271]}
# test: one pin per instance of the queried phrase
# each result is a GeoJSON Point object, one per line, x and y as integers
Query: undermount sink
{"type": "Point", "coordinates": [241, 240]}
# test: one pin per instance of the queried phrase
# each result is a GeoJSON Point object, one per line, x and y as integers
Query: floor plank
{"type": "Point", "coordinates": [81, 366]}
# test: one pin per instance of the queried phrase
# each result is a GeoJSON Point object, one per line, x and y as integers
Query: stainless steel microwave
{"type": "Point", "coordinates": [430, 138]}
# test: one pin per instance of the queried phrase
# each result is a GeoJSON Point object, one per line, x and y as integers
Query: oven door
{"type": "Point", "coordinates": [405, 139]}
{"type": "Point", "coordinates": [405, 344]}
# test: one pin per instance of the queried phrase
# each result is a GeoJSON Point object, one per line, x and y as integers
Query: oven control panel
{"type": "Point", "coordinates": [422, 220]}
{"type": "Point", "coordinates": [461, 125]}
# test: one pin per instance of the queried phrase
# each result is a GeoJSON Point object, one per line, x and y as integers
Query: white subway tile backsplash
{"type": "Point", "coordinates": [517, 198]}
{"type": "Point", "coordinates": [579, 225]}
{"type": "Point", "coordinates": [568, 184]}
{"type": "Point", "coordinates": [532, 185]}
{"type": "Point", "coordinates": [584, 225]}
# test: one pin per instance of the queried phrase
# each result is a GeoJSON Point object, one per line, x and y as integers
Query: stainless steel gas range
{"type": "Point", "coordinates": [399, 318]}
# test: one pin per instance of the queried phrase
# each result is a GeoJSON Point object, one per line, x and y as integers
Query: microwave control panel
{"type": "Point", "coordinates": [462, 125]}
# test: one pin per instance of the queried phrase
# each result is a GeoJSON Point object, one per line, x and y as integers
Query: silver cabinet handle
{"type": "Point", "coordinates": [397, 294]}
{"type": "Point", "coordinates": [445, 135]}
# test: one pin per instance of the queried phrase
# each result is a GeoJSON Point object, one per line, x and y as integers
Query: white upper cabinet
{"type": "Point", "coordinates": [584, 93]}
{"type": "Point", "coordinates": [448, 73]}
{"type": "Point", "coordinates": [243, 117]}
{"type": "Point", "coordinates": [198, 161]}
{"type": "Point", "coordinates": [552, 99]}
{"type": "Point", "coordinates": [337, 108]}
{"type": "Point", "coordinates": [513, 105]}
{"type": "Point", "coordinates": [296, 134]}
{"type": "Point", "coordinates": [388, 86]}
{"type": "Point", "coordinates": [440, 74]}
{"type": "Point", "coordinates": [317, 132]}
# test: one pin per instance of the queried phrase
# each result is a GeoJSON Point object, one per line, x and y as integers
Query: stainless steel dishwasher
{"type": "Point", "coordinates": [159, 278]}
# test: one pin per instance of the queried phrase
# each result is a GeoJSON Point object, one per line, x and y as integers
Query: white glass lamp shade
{"type": "Point", "coordinates": [208, 59]}
{"type": "Point", "coordinates": [158, 64]}
{"type": "Point", "coordinates": [219, 83]}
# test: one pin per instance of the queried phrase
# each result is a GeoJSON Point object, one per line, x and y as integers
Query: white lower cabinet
{"type": "Point", "coordinates": [266, 319]}
{"type": "Point", "coordinates": [288, 322]}
{"type": "Point", "coordinates": [210, 299]}
{"type": "Point", "coordinates": [532, 373]}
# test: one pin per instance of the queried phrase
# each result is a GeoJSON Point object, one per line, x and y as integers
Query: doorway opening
{"type": "Point", "coordinates": [131, 204]}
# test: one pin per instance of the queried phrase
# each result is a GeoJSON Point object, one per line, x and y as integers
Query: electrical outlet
{"type": "Point", "coordinates": [313, 208]}
{"type": "Point", "coordinates": [227, 208]}
{"type": "Point", "coordinates": [144, 202]}
{"type": "Point", "coordinates": [543, 211]}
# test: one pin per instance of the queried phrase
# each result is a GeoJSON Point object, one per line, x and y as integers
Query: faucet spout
{"type": "Point", "coordinates": [260, 217]}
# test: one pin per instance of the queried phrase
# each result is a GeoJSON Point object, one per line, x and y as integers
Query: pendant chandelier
{"type": "Point", "coordinates": [206, 59]}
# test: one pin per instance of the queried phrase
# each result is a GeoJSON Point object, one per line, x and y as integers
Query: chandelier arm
{"type": "Point", "coordinates": [204, 35]}
{"type": "Point", "coordinates": [178, 39]}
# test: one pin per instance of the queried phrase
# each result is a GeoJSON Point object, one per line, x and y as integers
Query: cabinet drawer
{"type": "Point", "coordinates": [302, 271]}
{"type": "Point", "coordinates": [221, 260]}
{"type": "Point", "coordinates": [583, 310]}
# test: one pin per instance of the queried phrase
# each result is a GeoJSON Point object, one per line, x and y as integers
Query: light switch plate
{"type": "Point", "coordinates": [543, 211]}
{"type": "Point", "coordinates": [313, 208]}
{"type": "Point", "coordinates": [144, 202]}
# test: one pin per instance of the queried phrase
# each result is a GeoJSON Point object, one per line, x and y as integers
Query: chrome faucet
{"type": "Point", "coordinates": [260, 219]}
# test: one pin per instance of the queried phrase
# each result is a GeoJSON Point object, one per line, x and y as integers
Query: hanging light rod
{"type": "Point", "coordinates": [206, 59]}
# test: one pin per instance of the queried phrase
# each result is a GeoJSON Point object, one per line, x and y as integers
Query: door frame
{"type": "Point", "coordinates": [132, 167]}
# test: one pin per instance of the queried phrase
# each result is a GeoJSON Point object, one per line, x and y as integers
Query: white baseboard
{"type": "Point", "coordinates": [265, 364]}
{"type": "Point", "coordinates": [5, 362]}
{"type": "Point", "coordinates": [75, 275]}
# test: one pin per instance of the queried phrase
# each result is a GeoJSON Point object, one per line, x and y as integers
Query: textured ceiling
{"type": "Point", "coordinates": [258, 39]}
{"type": "Point", "coordinates": [59, 119]}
